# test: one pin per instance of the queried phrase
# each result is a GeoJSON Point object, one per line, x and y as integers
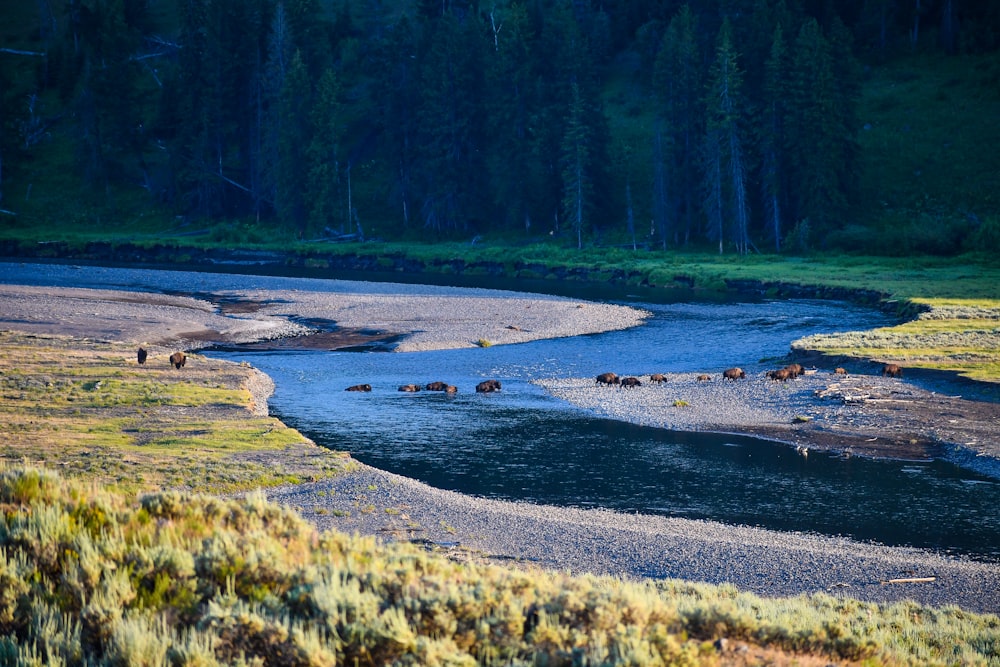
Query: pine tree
{"type": "Point", "coordinates": [450, 132]}
{"type": "Point", "coordinates": [277, 61]}
{"type": "Point", "coordinates": [292, 141]}
{"type": "Point", "coordinates": [726, 169]}
{"type": "Point", "coordinates": [508, 106]}
{"type": "Point", "coordinates": [814, 133]}
{"type": "Point", "coordinates": [772, 144]}
{"type": "Point", "coordinates": [323, 177]}
{"type": "Point", "coordinates": [577, 186]}
{"type": "Point", "coordinates": [678, 83]}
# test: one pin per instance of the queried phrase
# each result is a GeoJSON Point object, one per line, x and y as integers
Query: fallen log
{"type": "Point", "coordinates": [910, 580]}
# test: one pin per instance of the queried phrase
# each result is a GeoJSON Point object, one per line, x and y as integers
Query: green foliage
{"type": "Point", "coordinates": [215, 582]}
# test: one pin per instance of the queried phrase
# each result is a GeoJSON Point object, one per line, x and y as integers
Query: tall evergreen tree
{"type": "Point", "coordinates": [280, 50]}
{"type": "Point", "coordinates": [449, 114]}
{"type": "Point", "coordinates": [108, 105]}
{"type": "Point", "coordinates": [679, 84]}
{"type": "Point", "coordinates": [726, 173]}
{"type": "Point", "coordinates": [323, 178]}
{"type": "Point", "coordinates": [577, 185]}
{"type": "Point", "coordinates": [293, 139]}
{"type": "Point", "coordinates": [510, 161]}
{"type": "Point", "coordinates": [814, 133]}
{"type": "Point", "coordinates": [772, 143]}
{"type": "Point", "coordinates": [396, 77]}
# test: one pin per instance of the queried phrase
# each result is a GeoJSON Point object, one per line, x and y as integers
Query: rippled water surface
{"type": "Point", "coordinates": [522, 444]}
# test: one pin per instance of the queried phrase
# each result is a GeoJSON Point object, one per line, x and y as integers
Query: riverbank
{"type": "Point", "coordinates": [361, 499]}
{"type": "Point", "coordinates": [849, 414]}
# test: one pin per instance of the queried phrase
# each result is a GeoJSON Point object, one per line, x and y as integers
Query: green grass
{"type": "Point", "coordinates": [88, 408]}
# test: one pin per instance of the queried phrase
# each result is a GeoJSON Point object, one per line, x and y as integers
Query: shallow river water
{"type": "Point", "coordinates": [522, 444]}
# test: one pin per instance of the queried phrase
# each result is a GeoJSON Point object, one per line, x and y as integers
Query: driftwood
{"type": "Point", "coordinates": [910, 580]}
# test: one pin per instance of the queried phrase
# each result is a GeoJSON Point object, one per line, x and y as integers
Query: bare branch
{"type": "Point", "coordinates": [20, 52]}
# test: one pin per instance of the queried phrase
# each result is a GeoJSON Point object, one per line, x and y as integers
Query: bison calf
{"type": "Point", "coordinates": [840, 371]}
{"type": "Point", "coordinates": [178, 359]}
{"type": "Point", "coordinates": [657, 378]}
{"type": "Point", "coordinates": [704, 378]}
{"type": "Point", "coordinates": [631, 382]}
{"type": "Point", "coordinates": [410, 387]}
{"type": "Point", "coordinates": [359, 387]}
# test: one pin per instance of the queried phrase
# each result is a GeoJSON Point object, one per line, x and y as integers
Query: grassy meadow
{"type": "Point", "coordinates": [87, 409]}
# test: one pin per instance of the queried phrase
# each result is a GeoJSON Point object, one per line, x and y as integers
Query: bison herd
{"type": "Point", "coordinates": [484, 387]}
{"type": "Point", "coordinates": [789, 372]}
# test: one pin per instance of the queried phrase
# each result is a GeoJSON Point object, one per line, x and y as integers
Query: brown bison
{"type": "Point", "coordinates": [451, 389]}
{"type": "Point", "coordinates": [733, 374]}
{"type": "Point", "coordinates": [436, 386]}
{"type": "Point", "coordinates": [141, 355]}
{"type": "Point", "coordinates": [410, 387]}
{"type": "Point", "coordinates": [631, 382]}
{"type": "Point", "coordinates": [607, 378]}
{"type": "Point", "coordinates": [178, 359]}
{"type": "Point", "coordinates": [704, 378]}
{"type": "Point", "coordinates": [840, 371]}
{"type": "Point", "coordinates": [359, 387]}
{"type": "Point", "coordinates": [782, 375]}
{"type": "Point", "coordinates": [892, 371]}
{"type": "Point", "coordinates": [657, 378]}
{"type": "Point", "coordinates": [487, 386]}
{"type": "Point", "coordinates": [795, 370]}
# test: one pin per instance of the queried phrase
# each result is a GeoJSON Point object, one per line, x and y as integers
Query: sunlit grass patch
{"type": "Point", "coordinates": [960, 335]}
{"type": "Point", "coordinates": [90, 409]}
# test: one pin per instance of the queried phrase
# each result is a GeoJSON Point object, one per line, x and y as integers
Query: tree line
{"type": "Point", "coordinates": [452, 118]}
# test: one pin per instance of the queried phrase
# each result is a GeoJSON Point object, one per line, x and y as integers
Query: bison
{"type": "Point", "coordinates": [178, 359]}
{"type": "Point", "coordinates": [795, 370]}
{"type": "Point", "coordinates": [487, 386]}
{"type": "Point", "coordinates": [451, 389]}
{"type": "Point", "coordinates": [657, 378]}
{"type": "Point", "coordinates": [631, 382]}
{"type": "Point", "coordinates": [141, 355]}
{"type": "Point", "coordinates": [840, 371]}
{"type": "Point", "coordinates": [410, 387]}
{"type": "Point", "coordinates": [436, 386]}
{"type": "Point", "coordinates": [704, 378]}
{"type": "Point", "coordinates": [733, 374]}
{"type": "Point", "coordinates": [782, 375]}
{"type": "Point", "coordinates": [607, 378]}
{"type": "Point", "coordinates": [359, 387]}
{"type": "Point", "coordinates": [892, 371]}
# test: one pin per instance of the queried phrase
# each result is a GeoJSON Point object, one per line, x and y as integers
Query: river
{"type": "Point", "coordinates": [522, 444]}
